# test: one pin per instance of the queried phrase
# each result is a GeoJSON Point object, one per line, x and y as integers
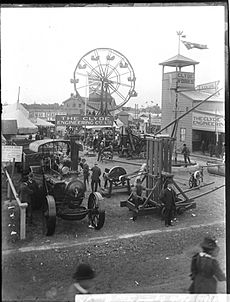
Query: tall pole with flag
{"type": "Point", "coordinates": [180, 33]}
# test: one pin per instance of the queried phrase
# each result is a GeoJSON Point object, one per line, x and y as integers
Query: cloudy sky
{"type": "Point", "coordinates": [41, 46]}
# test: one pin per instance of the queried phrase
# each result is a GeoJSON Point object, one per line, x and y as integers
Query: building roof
{"type": "Point", "coordinates": [123, 113]}
{"type": "Point", "coordinates": [200, 96]}
{"type": "Point", "coordinates": [179, 61]}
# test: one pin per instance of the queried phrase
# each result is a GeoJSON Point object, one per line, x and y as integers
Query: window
{"type": "Point", "coordinates": [182, 134]}
{"type": "Point", "coordinates": [74, 104]}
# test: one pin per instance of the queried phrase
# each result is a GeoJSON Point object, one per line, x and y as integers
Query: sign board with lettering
{"type": "Point", "coordinates": [209, 87]}
{"type": "Point", "coordinates": [208, 122]}
{"type": "Point", "coordinates": [84, 120]}
{"type": "Point", "coordinates": [181, 80]}
{"type": "Point", "coordinates": [12, 152]}
{"type": "Point", "coordinates": [185, 79]}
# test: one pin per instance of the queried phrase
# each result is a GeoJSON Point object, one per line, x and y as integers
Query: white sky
{"type": "Point", "coordinates": [41, 46]}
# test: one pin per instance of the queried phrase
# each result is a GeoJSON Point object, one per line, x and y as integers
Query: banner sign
{"type": "Point", "coordinates": [181, 80]}
{"type": "Point", "coordinates": [84, 120]}
{"type": "Point", "coordinates": [209, 87]}
{"type": "Point", "coordinates": [208, 122]}
{"type": "Point", "coordinates": [185, 78]}
{"type": "Point", "coordinates": [12, 152]}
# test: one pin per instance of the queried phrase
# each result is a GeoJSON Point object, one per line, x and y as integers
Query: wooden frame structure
{"type": "Point", "coordinates": [159, 168]}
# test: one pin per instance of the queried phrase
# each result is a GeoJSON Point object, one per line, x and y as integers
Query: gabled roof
{"type": "Point", "coordinates": [179, 61]}
{"type": "Point", "coordinates": [72, 98]}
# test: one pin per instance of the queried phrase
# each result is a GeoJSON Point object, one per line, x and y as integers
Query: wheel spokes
{"type": "Point", "coordinates": [119, 83]}
{"type": "Point", "coordinates": [91, 67]}
{"type": "Point", "coordinates": [120, 75]}
{"type": "Point", "coordinates": [100, 65]}
{"type": "Point", "coordinates": [117, 92]}
{"type": "Point", "coordinates": [108, 75]}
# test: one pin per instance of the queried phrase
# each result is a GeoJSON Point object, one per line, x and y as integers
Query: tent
{"type": "Point", "coordinates": [9, 127]}
{"type": "Point", "coordinates": [43, 123]}
{"type": "Point", "coordinates": [18, 113]}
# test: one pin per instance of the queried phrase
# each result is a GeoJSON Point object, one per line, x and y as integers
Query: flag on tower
{"type": "Point", "coordinates": [190, 45]}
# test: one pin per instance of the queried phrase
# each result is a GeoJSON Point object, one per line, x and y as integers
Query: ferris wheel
{"type": "Point", "coordinates": [106, 75]}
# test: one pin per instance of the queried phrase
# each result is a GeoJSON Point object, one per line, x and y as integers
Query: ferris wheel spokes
{"type": "Point", "coordinates": [120, 75]}
{"type": "Point", "coordinates": [107, 63]}
{"type": "Point", "coordinates": [122, 84]}
{"type": "Point", "coordinates": [100, 65]}
{"type": "Point", "coordinates": [108, 75]}
{"type": "Point", "coordinates": [117, 92]}
{"type": "Point", "coordinates": [92, 69]}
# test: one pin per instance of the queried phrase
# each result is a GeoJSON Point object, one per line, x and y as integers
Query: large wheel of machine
{"type": "Point", "coordinates": [96, 211]}
{"type": "Point", "coordinates": [114, 174]}
{"type": "Point", "coordinates": [49, 215]}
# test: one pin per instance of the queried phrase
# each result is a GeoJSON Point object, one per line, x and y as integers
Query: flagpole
{"type": "Point", "coordinates": [179, 33]}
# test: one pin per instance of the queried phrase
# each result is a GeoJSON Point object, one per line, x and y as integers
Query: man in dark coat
{"type": "Point", "coordinates": [95, 177]}
{"type": "Point", "coordinates": [168, 198]}
{"type": "Point", "coordinates": [205, 270]}
{"type": "Point", "coordinates": [36, 198]}
{"type": "Point", "coordinates": [85, 168]}
{"type": "Point", "coordinates": [185, 151]}
{"type": "Point", "coordinates": [25, 195]}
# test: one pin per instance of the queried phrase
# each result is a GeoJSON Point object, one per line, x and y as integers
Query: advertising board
{"type": "Point", "coordinates": [12, 152]}
{"type": "Point", "coordinates": [83, 120]}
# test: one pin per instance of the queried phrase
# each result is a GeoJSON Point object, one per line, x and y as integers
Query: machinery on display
{"type": "Point", "coordinates": [118, 180]}
{"type": "Point", "coordinates": [159, 167]}
{"type": "Point", "coordinates": [62, 189]}
{"type": "Point", "coordinates": [131, 145]}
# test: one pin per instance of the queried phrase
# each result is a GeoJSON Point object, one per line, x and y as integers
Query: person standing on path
{"type": "Point", "coordinates": [205, 269]}
{"type": "Point", "coordinates": [95, 177]}
{"type": "Point", "coordinates": [83, 282]}
{"type": "Point", "coordinates": [185, 151]}
{"type": "Point", "coordinates": [168, 198]}
{"type": "Point", "coordinates": [85, 168]}
{"type": "Point", "coordinates": [202, 147]}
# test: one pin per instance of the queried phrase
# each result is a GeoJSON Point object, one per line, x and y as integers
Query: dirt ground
{"type": "Point", "coordinates": [141, 256]}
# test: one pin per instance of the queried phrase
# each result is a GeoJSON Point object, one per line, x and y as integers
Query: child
{"type": "Point", "coordinates": [205, 270]}
{"type": "Point", "coordinates": [83, 281]}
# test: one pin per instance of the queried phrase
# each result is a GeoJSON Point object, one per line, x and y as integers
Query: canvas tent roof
{"type": "Point", "coordinates": [20, 114]}
{"type": "Point", "coordinates": [9, 127]}
{"type": "Point", "coordinates": [41, 122]}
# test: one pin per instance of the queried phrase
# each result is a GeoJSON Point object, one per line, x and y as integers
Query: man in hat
{"type": "Point", "coordinates": [205, 269]}
{"type": "Point", "coordinates": [95, 177]}
{"type": "Point", "coordinates": [168, 198]}
{"type": "Point", "coordinates": [25, 195]}
{"type": "Point", "coordinates": [185, 151]}
{"type": "Point", "coordinates": [83, 281]}
{"type": "Point", "coordinates": [85, 168]}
